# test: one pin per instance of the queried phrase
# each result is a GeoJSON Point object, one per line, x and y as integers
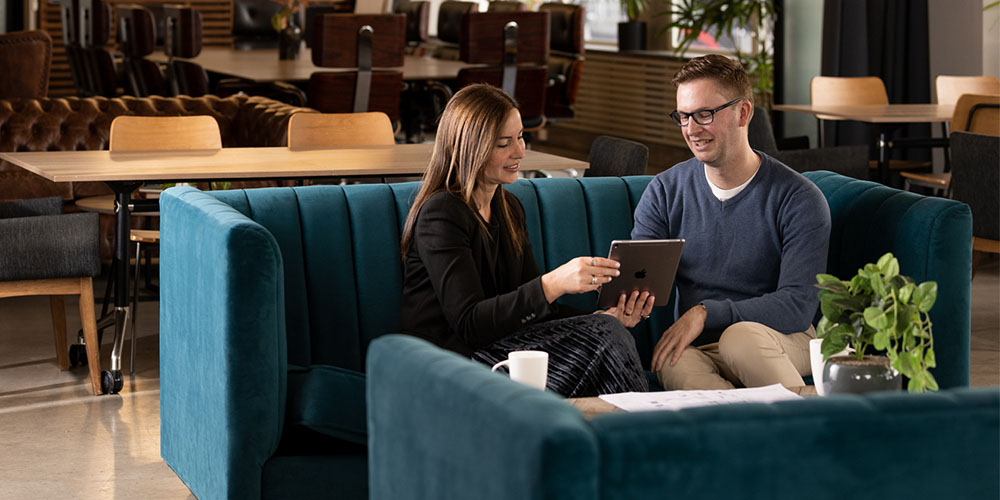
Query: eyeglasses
{"type": "Point", "coordinates": [701, 116]}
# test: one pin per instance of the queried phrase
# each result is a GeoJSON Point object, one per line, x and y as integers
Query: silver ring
{"type": "Point", "coordinates": [593, 261]}
{"type": "Point", "coordinates": [644, 316]}
{"type": "Point", "coordinates": [593, 280]}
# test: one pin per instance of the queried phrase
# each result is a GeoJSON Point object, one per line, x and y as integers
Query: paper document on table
{"type": "Point", "coordinates": [678, 400]}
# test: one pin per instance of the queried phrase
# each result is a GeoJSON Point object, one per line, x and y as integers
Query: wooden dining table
{"type": "Point", "coordinates": [125, 172]}
{"type": "Point", "coordinates": [262, 65]}
{"type": "Point", "coordinates": [883, 115]}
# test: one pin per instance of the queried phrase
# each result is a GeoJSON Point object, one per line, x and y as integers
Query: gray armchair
{"type": "Point", "coordinates": [46, 252]}
{"type": "Point", "coordinates": [851, 161]}
{"type": "Point", "coordinates": [615, 157]}
{"type": "Point", "coordinates": [975, 179]}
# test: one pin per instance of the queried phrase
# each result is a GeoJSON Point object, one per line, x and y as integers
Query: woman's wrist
{"type": "Point", "coordinates": [549, 288]}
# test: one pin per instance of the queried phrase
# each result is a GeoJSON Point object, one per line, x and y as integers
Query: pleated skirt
{"type": "Point", "coordinates": [589, 355]}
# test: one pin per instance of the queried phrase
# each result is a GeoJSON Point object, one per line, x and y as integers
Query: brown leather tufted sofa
{"type": "Point", "coordinates": [72, 123]}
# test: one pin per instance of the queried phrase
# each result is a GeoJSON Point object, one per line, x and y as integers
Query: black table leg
{"type": "Point", "coordinates": [883, 158]}
{"type": "Point", "coordinates": [111, 380]}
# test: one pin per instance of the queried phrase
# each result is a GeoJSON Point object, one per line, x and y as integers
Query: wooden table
{"type": "Point", "coordinates": [888, 114]}
{"type": "Point", "coordinates": [124, 172]}
{"type": "Point", "coordinates": [263, 65]}
{"type": "Point", "coordinates": [593, 407]}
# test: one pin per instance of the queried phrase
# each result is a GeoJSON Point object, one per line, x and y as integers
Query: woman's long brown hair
{"type": "Point", "coordinates": [469, 130]}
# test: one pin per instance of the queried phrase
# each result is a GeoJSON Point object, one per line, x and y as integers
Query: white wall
{"type": "Point", "coordinates": [956, 38]}
{"type": "Point", "coordinates": [803, 51]}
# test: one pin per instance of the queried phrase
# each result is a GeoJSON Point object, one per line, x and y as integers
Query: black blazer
{"type": "Point", "coordinates": [465, 288]}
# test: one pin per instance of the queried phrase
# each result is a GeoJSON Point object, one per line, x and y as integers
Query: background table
{"type": "Point", "coordinates": [890, 114]}
{"type": "Point", "coordinates": [263, 65]}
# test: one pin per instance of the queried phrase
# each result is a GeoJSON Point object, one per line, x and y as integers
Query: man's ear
{"type": "Point", "coordinates": [746, 112]}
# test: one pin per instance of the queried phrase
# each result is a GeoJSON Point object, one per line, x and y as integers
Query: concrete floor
{"type": "Point", "coordinates": [59, 441]}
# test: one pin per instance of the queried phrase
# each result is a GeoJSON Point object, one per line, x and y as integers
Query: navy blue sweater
{"type": "Point", "coordinates": [753, 257]}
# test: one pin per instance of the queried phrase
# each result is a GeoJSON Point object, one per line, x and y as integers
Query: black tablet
{"type": "Point", "coordinates": [646, 265]}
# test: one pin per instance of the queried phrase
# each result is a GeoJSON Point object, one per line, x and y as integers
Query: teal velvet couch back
{"type": "Point", "coordinates": [442, 427]}
{"type": "Point", "coordinates": [270, 298]}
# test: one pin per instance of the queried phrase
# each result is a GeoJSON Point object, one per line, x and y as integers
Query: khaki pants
{"type": "Point", "coordinates": [747, 355]}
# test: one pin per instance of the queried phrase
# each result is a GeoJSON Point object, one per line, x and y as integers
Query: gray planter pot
{"type": "Point", "coordinates": [848, 375]}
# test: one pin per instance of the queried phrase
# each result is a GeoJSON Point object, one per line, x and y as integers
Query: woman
{"type": "Point", "coordinates": [470, 281]}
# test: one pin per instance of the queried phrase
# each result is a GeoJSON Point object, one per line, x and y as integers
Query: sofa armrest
{"type": "Point", "coordinates": [223, 356]}
{"type": "Point", "coordinates": [442, 427]}
{"type": "Point", "coordinates": [883, 445]}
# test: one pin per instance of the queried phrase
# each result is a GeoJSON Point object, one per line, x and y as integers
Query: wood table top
{"type": "Point", "coordinates": [246, 163]}
{"type": "Point", "coordinates": [263, 65]}
{"type": "Point", "coordinates": [889, 113]}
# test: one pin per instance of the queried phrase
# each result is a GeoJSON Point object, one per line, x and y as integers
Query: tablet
{"type": "Point", "coordinates": [646, 265]}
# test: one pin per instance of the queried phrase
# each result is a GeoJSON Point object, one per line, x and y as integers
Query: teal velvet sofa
{"type": "Point", "coordinates": [442, 427]}
{"type": "Point", "coordinates": [270, 298]}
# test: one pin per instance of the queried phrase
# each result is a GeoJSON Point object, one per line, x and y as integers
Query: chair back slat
{"type": "Point", "coordinates": [482, 37]}
{"type": "Point", "coordinates": [335, 39]}
{"type": "Point", "coordinates": [950, 88]}
{"type": "Point", "coordinates": [975, 113]}
{"type": "Point", "coordinates": [165, 133]}
{"type": "Point", "coordinates": [333, 130]}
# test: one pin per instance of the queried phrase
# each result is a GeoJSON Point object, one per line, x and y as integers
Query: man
{"type": "Point", "coordinates": [757, 235]}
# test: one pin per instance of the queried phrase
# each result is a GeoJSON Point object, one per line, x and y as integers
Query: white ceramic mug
{"type": "Point", "coordinates": [817, 363]}
{"type": "Point", "coordinates": [527, 367]}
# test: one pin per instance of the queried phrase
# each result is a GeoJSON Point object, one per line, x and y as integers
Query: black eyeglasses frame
{"type": "Point", "coordinates": [677, 115]}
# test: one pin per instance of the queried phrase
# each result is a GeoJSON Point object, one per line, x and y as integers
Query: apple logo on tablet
{"type": "Point", "coordinates": [640, 274]}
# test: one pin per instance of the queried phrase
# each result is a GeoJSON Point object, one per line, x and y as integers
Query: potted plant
{"type": "Point", "coordinates": [289, 34]}
{"type": "Point", "coordinates": [632, 33]}
{"type": "Point", "coordinates": [722, 18]}
{"type": "Point", "coordinates": [882, 310]}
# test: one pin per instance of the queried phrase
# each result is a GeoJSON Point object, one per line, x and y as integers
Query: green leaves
{"type": "Point", "coordinates": [880, 308]}
{"type": "Point", "coordinates": [925, 296]}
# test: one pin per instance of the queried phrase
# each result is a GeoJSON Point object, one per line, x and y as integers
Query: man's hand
{"type": "Point", "coordinates": [679, 336]}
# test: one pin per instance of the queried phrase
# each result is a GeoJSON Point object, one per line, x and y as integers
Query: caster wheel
{"type": "Point", "coordinates": [111, 381]}
{"type": "Point", "coordinates": [77, 355]}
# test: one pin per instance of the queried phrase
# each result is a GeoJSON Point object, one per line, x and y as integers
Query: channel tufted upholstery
{"type": "Point", "coordinates": [271, 297]}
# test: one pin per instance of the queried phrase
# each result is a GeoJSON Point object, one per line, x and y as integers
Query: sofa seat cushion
{"type": "Point", "coordinates": [329, 400]}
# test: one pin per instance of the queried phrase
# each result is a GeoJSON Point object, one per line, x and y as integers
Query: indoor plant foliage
{"type": "Point", "coordinates": [882, 309]}
{"type": "Point", "coordinates": [722, 18]}
{"type": "Point", "coordinates": [288, 7]}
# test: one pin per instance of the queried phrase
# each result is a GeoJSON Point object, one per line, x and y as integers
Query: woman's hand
{"type": "Point", "coordinates": [633, 308]}
{"type": "Point", "coordinates": [580, 275]}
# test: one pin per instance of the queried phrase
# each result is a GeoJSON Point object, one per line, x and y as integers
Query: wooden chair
{"type": "Point", "coordinates": [516, 46]}
{"type": "Point", "coordinates": [25, 61]}
{"type": "Point", "coordinates": [332, 130]}
{"type": "Point", "coordinates": [96, 23]}
{"type": "Point", "coordinates": [864, 90]}
{"type": "Point", "coordinates": [50, 253]}
{"type": "Point", "coordinates": [950, 88]}
{"type": "Point", "coordinates": [363, 42]}
{"type": "Point", "coordinates": [979, 114]}
{"type": "Point", "coordinates": [417, 21]}
{"type": "Point", "coordinates": [136, 40]}
{"type": "Point", "coordinates": [449, 27]}
{"type": "Point", "coordinates": [565, 60]}
{"type": "Point", "coordinates": [506, 6]}
{"type": "Point", "coordinates": [159, 133]}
